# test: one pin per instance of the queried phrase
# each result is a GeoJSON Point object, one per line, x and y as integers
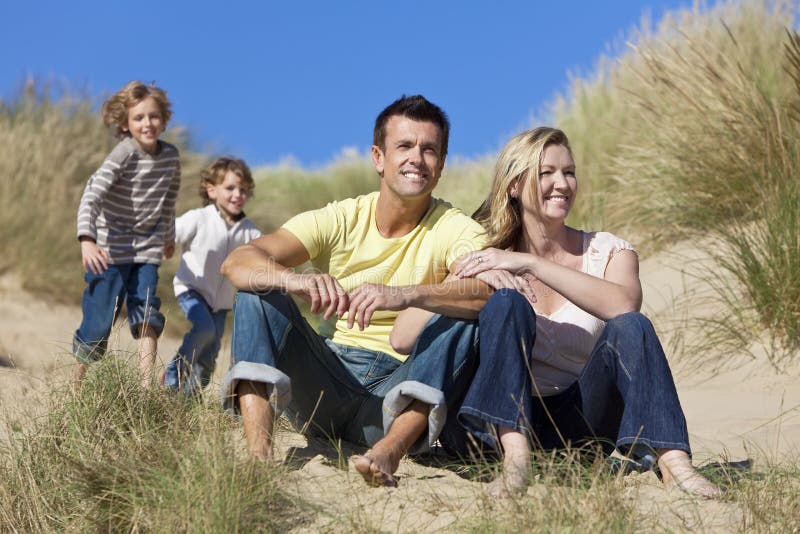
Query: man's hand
{"type": "Point", "coordinates": [94, 258]}
{"type": "Point", "coordinates": [169, 249]}
{"type": "Point", "coordinates": [498, 278]}
{"type": "Point", "coordinates": [322, 290]}
{"type": "Point", "coordinates": [368, 298]}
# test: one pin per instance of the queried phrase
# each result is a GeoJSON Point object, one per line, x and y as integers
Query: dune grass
{"type": "Point", "coordinates": [693, 133]}
{"type": "Point", "coordinates": [690, 133]}
{"type": "Point", "coordinates": [115, 457]}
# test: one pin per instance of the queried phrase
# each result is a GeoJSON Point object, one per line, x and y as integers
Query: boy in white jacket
{"type": "Point", "coordinates": [206, 236]}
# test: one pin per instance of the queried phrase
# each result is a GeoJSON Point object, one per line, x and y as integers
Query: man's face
{"type": "Point", "coordinates": [412, 161]}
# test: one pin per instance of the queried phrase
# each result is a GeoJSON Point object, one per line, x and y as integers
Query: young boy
{"type": "Point", "coordinates": [126, 225]}
{"type": "Point", "coordinates": [206, 237]}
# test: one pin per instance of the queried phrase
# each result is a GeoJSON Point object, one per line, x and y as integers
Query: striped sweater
{"type": "Point", "coordinates": [128, 206]}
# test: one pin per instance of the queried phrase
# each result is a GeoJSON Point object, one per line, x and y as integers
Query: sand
{"type": "Point", "coordinates": [748, 411]}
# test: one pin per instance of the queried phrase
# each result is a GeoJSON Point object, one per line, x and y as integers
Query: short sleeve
{"type": "Point", "coordinates": [602, 246]}
{"type": "Point", "coordinates": [315, 229]}
{"type": "Point", "coordinates": [469, 237]}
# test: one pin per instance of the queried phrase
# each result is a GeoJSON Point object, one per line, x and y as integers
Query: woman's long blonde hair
{"type": "Point", "coordinates": [519, 161]}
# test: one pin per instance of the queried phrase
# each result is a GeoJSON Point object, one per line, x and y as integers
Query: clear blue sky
{"type": "Point", "coordinates": [266, 80]}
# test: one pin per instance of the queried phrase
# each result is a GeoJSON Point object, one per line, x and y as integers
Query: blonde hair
{"type": "Point", "coordinates": [115, 109]}
{"type": "Point", "coordinates": [519, 161]}
{"type": "Point", "coordinates": [215, 173]}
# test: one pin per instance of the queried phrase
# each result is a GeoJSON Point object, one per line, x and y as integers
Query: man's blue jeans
{"type": "Point", "coordinates": [625, 396]}
{"type": "Point", "coordinates": [340, 390]}
{"type": "Point", "coordinates": [193, 365]}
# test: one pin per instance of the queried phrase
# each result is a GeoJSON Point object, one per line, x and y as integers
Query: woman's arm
{"type": "Point", "coordinates": [411, 322]}
{"type": "Point", "coordinates": [407, 327]}
{"type": "Point", "coordinates": [619, 292]}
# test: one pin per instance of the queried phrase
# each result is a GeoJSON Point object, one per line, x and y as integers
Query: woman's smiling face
{"type": "Point", "coordinates": [557, 185]}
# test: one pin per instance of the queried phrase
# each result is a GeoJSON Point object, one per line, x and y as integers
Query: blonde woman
{"type": "Point", "coordinates": [577, 363]}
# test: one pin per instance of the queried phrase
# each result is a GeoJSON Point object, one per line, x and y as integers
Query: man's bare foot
{"type": "Point", "coordinates": [378, 466]}
{"type": "Point", "coordinates": [678, 472]}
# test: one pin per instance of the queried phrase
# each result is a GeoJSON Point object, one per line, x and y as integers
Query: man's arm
{"type": "Point", "coordinates": [265, 264]}
{"type": "Point", "coordinates": [455, 298]}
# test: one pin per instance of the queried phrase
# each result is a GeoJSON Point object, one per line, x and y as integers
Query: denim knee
{"type": "Point", "coordinates": [249, 303]}
{"type": "Point", "coordinates": [144, 307]}
{"type": "Point", "coordinates": [506, 303]}
{"type": "Point", "coordinates": [631, 322]}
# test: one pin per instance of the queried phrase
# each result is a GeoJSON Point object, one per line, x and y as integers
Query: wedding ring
{"type": "Point", "coordinates": [479, 259]}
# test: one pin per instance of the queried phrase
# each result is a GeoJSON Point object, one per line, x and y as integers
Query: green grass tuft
{"type": "Point", "coordinates": [116, 457]}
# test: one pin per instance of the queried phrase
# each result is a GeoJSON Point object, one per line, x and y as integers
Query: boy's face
{"type": "Point", "coordinates": [145, 124]}
{"type": "Point", "coordinates": [229, 196]}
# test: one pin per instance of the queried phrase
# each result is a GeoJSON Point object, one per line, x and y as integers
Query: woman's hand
{"type": "Point", "coordinates": [94, 258]}
{"type": "Point", "coordinates": [489, 259]}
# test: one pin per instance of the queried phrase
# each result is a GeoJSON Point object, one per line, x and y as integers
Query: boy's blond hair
{"type": "Point", "coordinates": [115, 109]}
{"type": "Point", "coordinates": [215, 173]}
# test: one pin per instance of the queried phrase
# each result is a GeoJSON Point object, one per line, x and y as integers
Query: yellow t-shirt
{"type": "Point", "coordinates": [342, 239]}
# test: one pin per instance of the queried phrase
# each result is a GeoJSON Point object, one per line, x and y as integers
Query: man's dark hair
{"type": "Point", "coordinates": [417, 108]}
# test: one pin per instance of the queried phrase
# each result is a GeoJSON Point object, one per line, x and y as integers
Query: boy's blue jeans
{"type": "Point", "coordinates": [193, 365]}
{"type": "Point", "coordinates": [340, 390]}
{"type": "Point", "coordinates": [625, 396]}
{"type": "Point", "coordinates": [102, 300]}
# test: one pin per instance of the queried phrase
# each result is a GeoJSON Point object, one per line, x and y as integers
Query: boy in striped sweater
{"type": "Point", "coordinates": [126, 225]}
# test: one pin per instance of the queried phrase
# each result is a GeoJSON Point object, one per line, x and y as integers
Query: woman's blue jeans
{"type": "Point", "coordinates": [624, 398]}
{"type": "Point", "coordinates": [191, 368]}
{"type": "Point", "coordinates": [340, 390]}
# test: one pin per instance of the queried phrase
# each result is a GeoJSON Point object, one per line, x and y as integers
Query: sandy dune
{"type": "Point", "coordinates": [749, 410]}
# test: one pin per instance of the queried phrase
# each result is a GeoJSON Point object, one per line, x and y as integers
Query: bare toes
{"type": "Point", "coordinates": [372, 473]}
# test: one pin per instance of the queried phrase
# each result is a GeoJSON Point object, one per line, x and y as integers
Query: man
{"type": "Point", "coordinates": [375, 255]}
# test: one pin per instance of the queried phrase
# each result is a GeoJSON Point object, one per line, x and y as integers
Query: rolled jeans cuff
{"type": "Point", "coordinates": [279, 386]}
{"type": "Point", "coordinates": [401, 396]}
{"type": "Point", "coordinates": [86, 353]}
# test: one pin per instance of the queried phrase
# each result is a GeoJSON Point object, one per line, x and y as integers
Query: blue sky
{"type": "Point", "coordinates": [268, 80]}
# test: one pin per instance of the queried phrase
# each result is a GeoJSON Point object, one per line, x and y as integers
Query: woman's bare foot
{"type": "Point", "coordinates": [516, 465]}
{"type": "Point", "coordinates": [378, 466]}
{"type": "Point", "coordinates": [677, 471]}
{"type": "Point", "coordinates": [511, 482]}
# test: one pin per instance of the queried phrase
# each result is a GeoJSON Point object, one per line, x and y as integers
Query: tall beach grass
{"type": "Point", "coordinates": [114, 457]}
{"type": "Point", "coordinates": [693, 134]}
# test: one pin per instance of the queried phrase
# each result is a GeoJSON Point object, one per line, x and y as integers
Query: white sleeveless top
{"type": "Point", "coordinates": [565, 339]}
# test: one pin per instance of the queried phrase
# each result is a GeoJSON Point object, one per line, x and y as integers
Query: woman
{"type": "Point", "coordinates": [576, 362]}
